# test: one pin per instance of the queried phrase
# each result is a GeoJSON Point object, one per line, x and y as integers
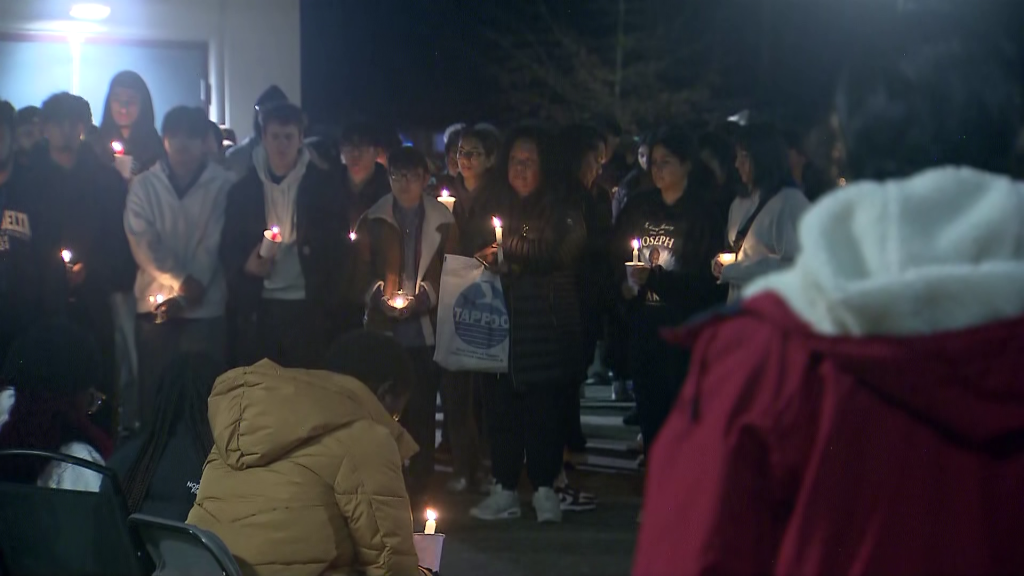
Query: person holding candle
{"type": "Point", "coordinates": [128, 119]}
{"type": "Point", "coordinates": [543, 241]}
{"type": "Point", "coordinates": [33, 278]}
{"type": "Point", "coordinates": [762, 222]}
{"type": "Point", "coordinates": [677, 227]}
{"type": "Point", "coordinates": [174, 220]}
{"type": "Point", "coordinates": [88, 197]}
{"type": "Point", "coordinates": [861, 411]}
{"type": "Point", "coordinates": [400, 245]}
{"type": "Point", "coordinates": [286, 304]}
{"type": "Point", "coordinates": [476, 150]}
{"type": "Point", "coordinates": [326, 496]}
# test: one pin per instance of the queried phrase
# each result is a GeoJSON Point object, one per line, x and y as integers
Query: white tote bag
{"type": "Point", "coordinates": [473, 327]}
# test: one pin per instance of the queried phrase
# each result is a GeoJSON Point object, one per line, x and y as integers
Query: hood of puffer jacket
{"type": "Point", "coordinates": [262, 412]}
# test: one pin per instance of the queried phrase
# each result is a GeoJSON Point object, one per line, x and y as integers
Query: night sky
{"type": "Point", "coordinates": [424, 63]}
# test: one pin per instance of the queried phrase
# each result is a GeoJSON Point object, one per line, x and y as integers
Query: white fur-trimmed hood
{"type": "Point", "coordinates": [939, 251]}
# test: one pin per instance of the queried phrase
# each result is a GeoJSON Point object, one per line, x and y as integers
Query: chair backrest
{"type": "Point", "coordinates": [47, 531]}
{"type": "Point", "coordinates": [180, 549]}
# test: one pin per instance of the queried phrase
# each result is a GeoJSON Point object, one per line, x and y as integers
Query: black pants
{"type": "Point", "coordinates": [95, 316]}
{"type": "Point", "coordinates": [159, 344]}
{"type": "Point", "coordinates": [525, 424]}
{"type": "Point", "coordinates": [461, 390]}
{"type": "Point", "coordinates": [659, 370]}
{"type": "Point", "coordinates": [420, 417]}
{"type": "Point", "coordinates": [288, 332]}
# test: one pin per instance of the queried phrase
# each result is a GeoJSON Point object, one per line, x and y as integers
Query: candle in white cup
{"type": "Point", "coordinates": [727, 258]}
{"type": "Point", "coordinates": [447, 199]}
{"type": "Point", "coordinates": [399, 300]}
{"type": "Point", "coordinates": [122, 162]}
{"type": "Point", "coordinates": [431, 526]}
{"type": "Point", "coordinates": [497, 238]}
{"type": "Point", "coordinates": [271, 240]}
{"type": "Point", "coordinates": [636, 251]}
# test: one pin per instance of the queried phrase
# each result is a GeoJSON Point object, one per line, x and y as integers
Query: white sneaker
{"type": "Point", "coordinates": [500, 505]}
{"type": "Point", "coordinates": [548, 506]}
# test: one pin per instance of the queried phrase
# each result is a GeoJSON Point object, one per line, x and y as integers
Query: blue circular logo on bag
{"type": "Point", "coordinates": [481, 320]}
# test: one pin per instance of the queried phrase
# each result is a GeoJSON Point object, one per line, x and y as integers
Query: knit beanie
{"type": "Point", "coordinates": [56, 358]}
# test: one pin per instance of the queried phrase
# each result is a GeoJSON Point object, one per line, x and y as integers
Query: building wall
{"type": "Point", "coordinates": [252, 43]}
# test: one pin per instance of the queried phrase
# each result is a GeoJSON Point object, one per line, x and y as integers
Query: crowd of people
{"type": "Point", "coordinates": [222, 327]}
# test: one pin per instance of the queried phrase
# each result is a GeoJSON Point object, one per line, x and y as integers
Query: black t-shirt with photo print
{"type": "Point", "coordinates": [678, 242]}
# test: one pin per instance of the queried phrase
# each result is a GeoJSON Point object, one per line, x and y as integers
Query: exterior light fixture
{"type": "Point", "coordinates": [91, 12]}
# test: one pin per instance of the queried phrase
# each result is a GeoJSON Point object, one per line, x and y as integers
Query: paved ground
{"type": "Point", "coordinates": [598, 543]}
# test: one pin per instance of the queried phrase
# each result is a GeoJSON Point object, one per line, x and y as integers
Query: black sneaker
{"type": "Point", "coordinates": [573, 500]}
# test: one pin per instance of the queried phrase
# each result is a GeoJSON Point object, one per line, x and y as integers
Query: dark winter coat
{"type": "Point", "coordinates": [172, 491]}
{"type": "Point", "coordinates": [595, 276]}
{"type": "Point", "coordinates": [90, 202]}
{"type": "Point", "coordinates": [638, 180]}
{"type": "Point", "coordinates": [33, 282]}
{"type": "Point", "coordinates": [471, 217]}
{"type": "Point", "coordinates": [325, 250]}
{"type": "Point", "coordinates": [543, 241]}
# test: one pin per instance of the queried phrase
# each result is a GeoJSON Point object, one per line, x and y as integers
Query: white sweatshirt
{"type": "Point", "coordinates": [173, 238]}
{"type": "Point", "coordinates": [286, 281]}
{"type": "Point", "coordinates": [771, 244]}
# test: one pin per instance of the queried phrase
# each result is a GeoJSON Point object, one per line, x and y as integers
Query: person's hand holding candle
{"type": "Point", "coordinates": [271, 241]}
{"type": "Point", "coordinates": [721, 261]}
{"type": "Point", "coordinates": [257, 266]}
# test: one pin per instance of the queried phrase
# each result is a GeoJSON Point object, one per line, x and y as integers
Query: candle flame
{"type": "Point", "coordinates": [117, 147]}
{"type": "Point", "coordinates": [496, 222]}
{"type": "Point", "coordinates": [352, 236]}
{"type": "Point", "coordinates": [158, 299]}
{"type": "Point", "coordinates": [275, 229]}
{"type": "Point", "coordinates": [635, 244]}
{"type": "Point", "coordinates": [431, 514]}
{"type": "Point", "coordinates": [66, 256]}
{"type": "Point", "coordinates": [445, 193]}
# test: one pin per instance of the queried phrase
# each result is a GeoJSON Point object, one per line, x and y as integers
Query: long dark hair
{"type": "Point", "coordinates": [182, 397]}
{"type": "Point", "coordinates": [49, 368]}
{"type": "Point", "coordinates": [769, 158]}
{"type": "Point", "coordinates": [144, 139]}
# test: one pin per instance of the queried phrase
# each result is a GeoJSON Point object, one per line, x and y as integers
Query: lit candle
{"type": "Point", "coordinates": [727, 258]}
{"type": "Point", "coordinates": [497, 238]}
{"type": "Point", "coordinates": [157, 300]}
{"type": "Point", "coordinates": [66, 256]}
{"type": "Point", "coordinates": [447, 199]}
{"type": "Point", "coordinates": [431, 526]}
{"type": "Point", "coordinates": [271, 239]}
{"type": "Point", "coordinates": [636, 251]}
{"type": "Point", "coordinates": [399, 300]}
{"type": "Point", "coordinates": [122, 162]}
{"type": "Point", "coordinates": [352, 235]}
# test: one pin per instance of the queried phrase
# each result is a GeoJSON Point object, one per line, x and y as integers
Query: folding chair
{"type": "Point", "coordinates": [180, 549]}
{"type": "Point", "coordinates": [46, 531]}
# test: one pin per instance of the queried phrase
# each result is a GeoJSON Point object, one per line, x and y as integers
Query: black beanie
{"type": "Point", "coordinates": [56, 358]}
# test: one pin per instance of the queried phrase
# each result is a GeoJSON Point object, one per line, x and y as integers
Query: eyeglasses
{"type": "Point", "coordinates": [96, 400]}
{"type": "Point", "coordinates": [469, 154]}
{"type": "Point", "coordinates": [401, 177]}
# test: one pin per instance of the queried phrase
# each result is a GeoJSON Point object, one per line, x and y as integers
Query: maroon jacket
{"type": "Point", "coordinates": [793, 453]}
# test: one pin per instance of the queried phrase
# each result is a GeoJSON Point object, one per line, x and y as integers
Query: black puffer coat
{"type": "Point", "coordinates": [543, 239]}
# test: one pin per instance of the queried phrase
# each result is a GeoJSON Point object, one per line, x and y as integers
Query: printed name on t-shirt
{"type": "Point", "coordinates": [16, 224]}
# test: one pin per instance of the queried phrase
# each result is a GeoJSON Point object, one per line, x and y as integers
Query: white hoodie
{"type": "Point", "coordinates": [771, 243]}
{"type": "Point", "coordinates": [941, 250]}
{"type": "Point", "coordinates": [173, 238]}
{"type": "Point", "coordinates": [286, 281]}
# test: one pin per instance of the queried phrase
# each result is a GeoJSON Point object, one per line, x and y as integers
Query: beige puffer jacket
{"type": "Point", "coordinates": [305, 477]}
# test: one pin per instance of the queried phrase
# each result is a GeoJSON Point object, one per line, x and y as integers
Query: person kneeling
{"type": "Point", "coordinates": [305, 477]}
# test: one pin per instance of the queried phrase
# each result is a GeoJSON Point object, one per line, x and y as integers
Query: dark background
{"type": "Point", "coordinates": [423, 64]}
